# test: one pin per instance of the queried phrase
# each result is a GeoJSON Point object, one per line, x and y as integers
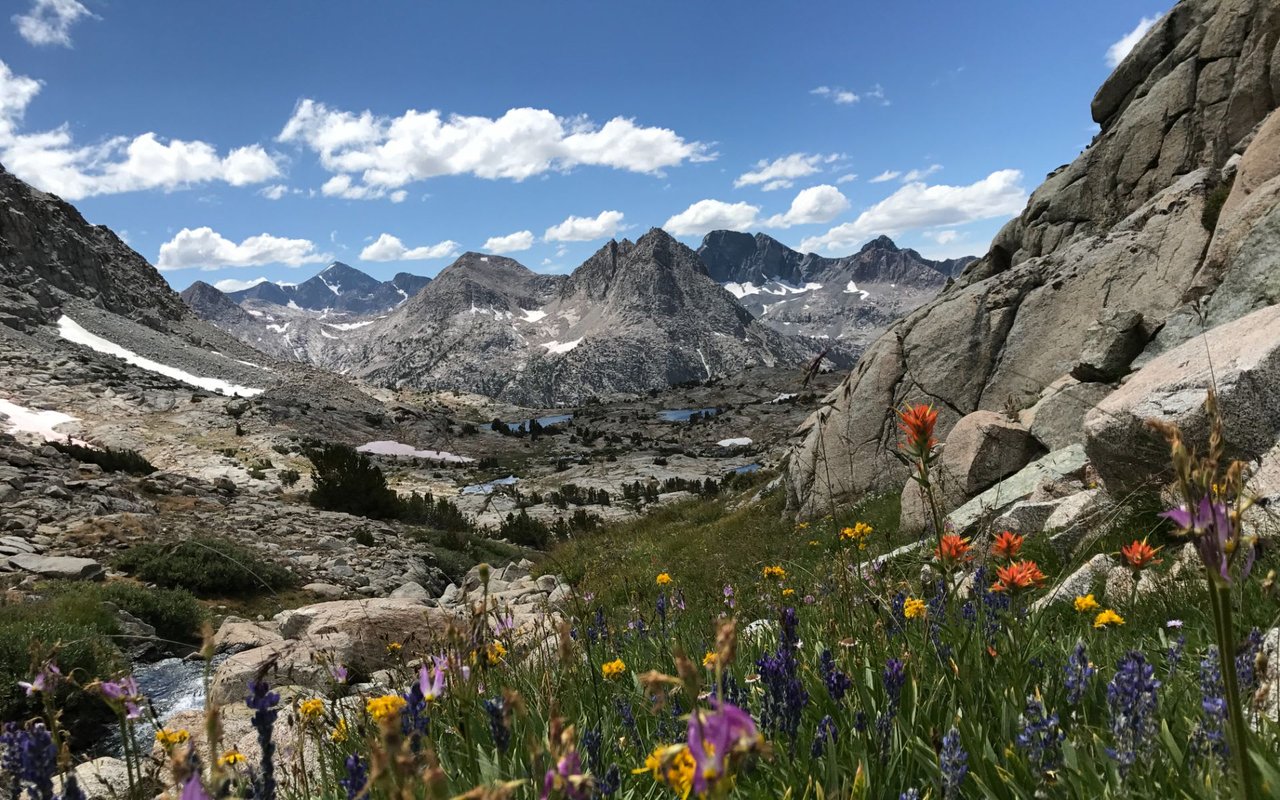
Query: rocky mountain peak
{"type": "Point", "coordinates": [881, 242]}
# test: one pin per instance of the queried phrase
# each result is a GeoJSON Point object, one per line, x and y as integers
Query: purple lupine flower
{"type": "Point", "coordinates": [953, 761]}
{"type": "Point", "coordinates": [1133, 703]}
{"type": "Point", "coordinates": [728, 596]}
{"type": "Point", "coordinates": [910, 794]}
{"type": "Point", "coordinates": [785, 696]}
{"type": "Point", "coordinates": [1078, 672]}
{"type": "Point", "coordinates": [1209, 738]}
{"type": "Point", "coordinates": [712, 737]}
{"type": "Point", "coordinates": [30, 757]}
{"type": "Point", "coordinates": [566, 776]}
{"type": "Point", "coordinates": [661, 607]}
{"type": "Point", "coordinates": [264, 702]}
{"type": "Point", "coordinates": [356, 781]}
{"type": "Point", "coordinates": [1040, 738]}
{"type": "Point", "coordinates": [71, 788]}
{"type": "Point", "coordinates": [591, 742]}
{"type": "Point", "coordinates": [414, 718]}
{"type": "Point", "coordinates": [611, 782]}
{"type": "Point", "coordinates": [1247, 662]}
{"type": "Point", "coordinates": [826, 734]}
{"type": "Point", "coordinates": [837, 682]}
{"type": "Point", "coordinates": [1217, 536]}
{"type": "Point", "coordinates": [893, 677]}
{"type": "Point", "coordinates": [1173, 656]}
{"type": "Point", "coordinates": [629, 722]}
{"type": "Point", "coordinates": [495, 707]}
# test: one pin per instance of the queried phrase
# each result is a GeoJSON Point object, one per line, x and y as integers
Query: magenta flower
{"type": "Point", "coordinates": [43, 681]}
{"type": "Point", "coordinates": [566, 776]}
{"type": "Point", "coordinates": [338, 673]}
{"type": "Point", "coordinates": [126, 692]}
{"type": "Point", "coordinates": [1217, 536]}
{"type": "Point", "coordinates": [431, 683]}
{"type": "Point", "coordinates": [193, 789]}
{"type": "Point", "coordinates": [713, 737]}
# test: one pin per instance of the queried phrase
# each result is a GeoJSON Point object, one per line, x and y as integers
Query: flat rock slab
{"type": "Point", "coordinates": [62, 567]}
{"type": "Point", "coordinates": [1057, 465]}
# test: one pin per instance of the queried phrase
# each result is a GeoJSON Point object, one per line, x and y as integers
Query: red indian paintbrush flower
{"type": "Point", "coordinates": [1139, 554]}
{"type": "Point", "coordinates": [916, 423]}
{"type": "Point", "coordinates": [1007, 545]}
{"type": "Point", "coordinates": [1017, 576]}
{"type": "Point", "coordinates": [952, 550]}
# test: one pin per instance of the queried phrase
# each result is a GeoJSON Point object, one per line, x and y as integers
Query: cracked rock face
{"type": "Point", "coordinates": [1122, 227]}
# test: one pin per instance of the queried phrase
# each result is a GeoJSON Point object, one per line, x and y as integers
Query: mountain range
{"type": "Point", "coordinates": [338, 287]}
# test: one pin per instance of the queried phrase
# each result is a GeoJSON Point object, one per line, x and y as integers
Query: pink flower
{"type": "Point", "coordinates": [713, 737]}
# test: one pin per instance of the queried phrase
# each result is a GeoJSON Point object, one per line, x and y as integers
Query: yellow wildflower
{"type": "Point", "coordinates": [802, 526]}
{"type": "Point", "coordinates": [709, 660]}
{"type": "Point", "coordinates": [310, 710]}
{"type": "Point", "coordinates": [339, 733]}
{"type": "Point", "coordinates": [814, 543]}
{"type": "Point", "coordinates": [495, 652]}
{"type": "Point", "coordinates": [172, 737]}
{"type": "Point", "coordinates": [663, 579]}
{"type": "Point", "coordinates": [671, 766]}
{"type": "Point", "coordinates": [858, 534]}
{"type": "Point", "coordinates": [1086, 602]}
{"type": "Point", "coordinates": [1107, 617]}
{"type": "Point", "coordinates": [613, 669]}
{"type": "Point", "coordinates": [394, 648]}
{"type": "Point", "coordinates": [385, 708]}
{"type": "Point", "coordinates": [913, 608]}
{"type": "Point", "coordinates": [775, 572]}
{"type": "Point", "coordinates": [231, 758]}
{"type": "Point", "coordinates": [788, 592]}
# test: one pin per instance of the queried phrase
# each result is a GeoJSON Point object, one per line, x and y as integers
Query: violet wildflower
{"type": "Point", "coordinates": [785, 696]}
{"type": "Point", "coordinates": [953, 761]}
{"type": "Point", "coordinates": [126, 693]}
{"type": "Point", "coordinates": [263, 701]}
{"type": "Point", "coordinates": [356, 781]}
{"type": "Point", "coordinates": [826, 734]}
{"type": "Point", "coordinates": [714, 737]}
{"type": "Point", "coordinates": [30, 757]}
{"type": "Point", "coordinates": [566, 779]}
{"type": "Point", "coordinates": [893, 677]}
{"type": "Point", "coordinates": [837, 682]}
{"type": "Point", "coordinates": [678, 602]}
{"type": "Point", "coordinates": [193, 789]}
{"type": "Point", "coordinates": [1247, 662]}
{"type": "Point", "coordinates": [1210, 737]}
{"type": "Point", "coordinates": [1133, 704]}
{"type": "Point", "coordinates": [1040, 738]}
{"type": "Point", "coordinates": [661, 607]}
{"type": "Point", "coordinates": [496, 708]}
{"type": "Point", "coordinates": [338, 673]}
{"type": "Point", "coordinates": [611, 781]}
{"type": "Point", "coordinates": [1173, 656]}
{"type": "Point", "coordinates": [629, 722]}
{"type": "Point", "coordinates": [1078, 672]}
{"type": "Point", "coordinates": [910, 794]}
{"type": "Point", "coordinates": [44, 681]}
{"type": "Point", "coordinates": [71, 788]}
{"type": "Point", "coordinates": [728, 596]}
{"type": "Point", "coordinates": [413, 717]}
{"type": "Point", "coordinates": [1215, 530]}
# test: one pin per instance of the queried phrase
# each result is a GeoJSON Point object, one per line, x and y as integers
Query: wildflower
{"type": "Point", "coordinates": [386, 708]}
{"type": "Point", "coordinates": [837, 682]}
{"type": "Point", "coordinates": [394, 648]}
{"type": "Point", "coordinates": [433, 688]}
{"type": "Point", "coordinates": [567, 776]}
{"type": "Point", "coordinates": [775, 572]}
{"type": "Point", "coordinates": [785, 696]}
{"type": "Point", "coordinates": [338, 673]}
{"type": "Point", "coordinates": [263, 702]}
{"type": "Point", "coordinates": [1139, 554]}
{"type": "Point", "coordinates": [716, 738]}
{"type": "Point", "coordinates": [802, 526]}
{"type": "Point", "coordinates": [339, 734]}
{"type": "Point", "coordinates": [663, 579]}
{"type": "Point", "coordinates": [610, 782]}
{"type": "Point", "coordinates": [910, 794]}
{"type": "Point", "coordinates": [1085, 603]}
{"type": "Point", "coordinates": [1007, 545]}
{"type": "Point", "coordinates": [788, 592]}
{"type": "Point", "coordinates": [1107, 617]}
{"type": "Point", "coordinates": [496, 708]}
{"type": "Point", "coordinates": [124, 692]}
{"type": "Point", "coordinates": [1017, 576]}
{"type": "Point", "coordinates": [709, 660]}
{"type": "Point", "coordinates": [1247, 662]}
{"type": "Point", "coordinates": [672, 766]}
{"type": "Point", "coordinates": [728, 596]}
{"type": "Point", "coordinates": [170, 738]}
{"type": "Point", "coordinates": [916, 423]}
{"type": "Point", "coordinates": [913, 607]}
{"type": "Point", "coordinates": [311, 710]}
{"type": "Point", "coordinates": [356, 781]}
{"type": "Point", "coordinates": [1079, 671]}
{"type": "Point", "coordinates": [1209, 737]}
{"type": "Point", "coordinates": [1132, 701]}
{"type": "Point", "coordinates": [1040, 738]}
{"type": "Point", "coordinates": [815, 543]}
{"type": "Point", "coordinates": [858, 534]}
{"type": "Point", "coordinates": [1216, 530]}
{"type": "Point", "coordinates": [826, 734]}
{"type": "Point", "coordinates": [30, 756]}
{"type": "Point", "coordinates": [494, 652]}
{"type": "Point", "coordinates": [952, 550]}
{"type": "Point", "coordinates": [231, 758]}
{"type": "Point", "coordinates": [1173, 623]}
{"type": "Point", "coordinates": [661, 607]}
{"type": "Point", "coordinates": [953, 761]}
{"type": "Point", "coordinates": [43, 681]}
{"type": "Point", "coordinates": [613, 669]}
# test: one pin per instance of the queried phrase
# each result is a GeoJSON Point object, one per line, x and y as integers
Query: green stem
{"type": "Point", "coordinates": [1238, 741]}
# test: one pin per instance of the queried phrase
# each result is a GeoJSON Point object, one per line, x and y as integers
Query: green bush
{"type": "Point", "coordinates": [524, 530]}
{"type": "Point", "coordinates": [174, 613]}
{"type": "Point", "coordinates": [288, 477]}
{"type": "Point", "coordinates": [348, 481]}
{"type": "Point", "coordinates": [206, 567]}
{"type": "Point", "coordinates": [109, 458]}
{"type": "Point", "coordinates": [1213, 203]}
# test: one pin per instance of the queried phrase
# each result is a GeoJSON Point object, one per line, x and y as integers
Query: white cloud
{"type": "Point", "coordinates": [835, 94]}
{"type": "Point", "coordinates": [885, 176]}
{"type": "Point", "coordinates": [206, 249]}
{"type": "Point", "coordinates": [604, 225]}
{"type": "Point", "coordinates": [1118, 50]}
{"type": "Point", "coordinates": [946, 236]}
{"type": "Point", "coordinates": [782, 172]}
{"type": "Point", "coordinates": [50, 21]}
{"type": "Point", "coordinates": [53, 162]}
{"type": "Point", "coordinates": [877, 93]}
{"type": "Point", "coordinates": [274, 192]}
{"type": "Point", "coordinates": [390, 248]}
{"type": "Point", "coordinates": [920, 174]}
{"type": "Point", "coordinates": [705, 216]}
{"type": "Point", "coordinates": [386, 153]}
{"type": "Point", "coordinates": [233, 285]}
{"type": "Point", "coordinates": [847, 178]}
{"type": "Point", "coordinates": [511, 243]}
{"type": "Point", "coordinates": [918, 205]}
{"type": "Point", "coordinates": [816, 204]}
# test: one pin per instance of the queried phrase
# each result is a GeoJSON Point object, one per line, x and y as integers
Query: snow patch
{"type": "Point", "coordinates": [774, 287]}
{"type": "Point", "coordinates": [294, 306]}
{"type": "Point", "coordinates": [782, 398]}
{"type": "Point", "coordinates": [72, 331]}
{"type": "Point", "coordinates": [279, 328]}
{"type": "Point", "coordinates": [741, 441]}
{"type": "Point", "coordinates": [349, 326]}
{"type": "Point", "coordinates": [253, 313]}
{"type": "Point", "coordinates": [487, 488]}
{"type": "Point", "coordinates": [390, 448]}
{"type": "Point", "coordinates": [328, 335]}
{"type": "Point", "coordinates": [561, 347]}
{"type": "Point", "coordinates": [532, 315]}
{"type": "Point", "coordinates": [16, 419]}
{"type": "Point", "coordinates": [852, 288]}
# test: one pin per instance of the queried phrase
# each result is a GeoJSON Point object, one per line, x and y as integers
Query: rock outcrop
{"type": "Point", "coordinates": [1124, 228]}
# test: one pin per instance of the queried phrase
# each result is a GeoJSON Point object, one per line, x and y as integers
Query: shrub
{"type": "Point", "coordinates": [110, 459]}
{"type": "Point", "coordinates": [288, 477]}
{"type": "Point", "coordinates": [524, 530]}
{"type": "Point", "coordinates": [174, 613]}
{"type": "Point", "coordinates": [363, 537]}
{"type": "Point", "coordinates": [348, 481]}
{"type": "Point", "coordinates": [1213, 203]}
{"type": "Point", "coordinates": [207, 567]}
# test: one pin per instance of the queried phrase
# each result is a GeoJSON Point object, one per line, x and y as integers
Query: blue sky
{"type": "Point", "coordinates": [236, 140]}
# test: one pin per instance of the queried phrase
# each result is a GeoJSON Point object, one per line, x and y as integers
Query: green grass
{"type": "Point", "coordinates": [206, 567]}
{"type": "Point", "coordinates": [174, 613]}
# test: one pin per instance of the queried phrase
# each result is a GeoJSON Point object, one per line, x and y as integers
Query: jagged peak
{"type": "Point", "coordinates": [881, 242]}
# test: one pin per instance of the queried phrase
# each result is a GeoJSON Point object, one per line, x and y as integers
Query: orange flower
{"type": "Point", "coordinates": [1015, 577]}
{"type": "Point", "coordinates": [953, 550]}
{"type": "Point", "coordinates": [1007, 545]}
{"type": "Point", "coordinates": [1139, 554]}
{"type": "Point", "coordinates": [916, 423]}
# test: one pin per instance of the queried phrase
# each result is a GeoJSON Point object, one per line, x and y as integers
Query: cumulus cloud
{"type": "Point", "coordinates": [390, 248]}
{"type": "Point", "coordinates": [50, 21]}
{"type": "Point", "coordinates": [233, 285]}
{"type": "Point", "coordinates": [835, 94]}
{"type": "Point", "coordinates": [886, 176]}
{"type": "Point", "coordinates": [206, 249]}
{"type": "Point", "coordinates": [604, 225]}
{"type": "Point", "coordinates": [944, 236]}
{"type": "Point", "coordinates": [52, 161]}
{"type": "Point", "coordinates": [816, 204]}
{"type": "Point", "coordinates": [919, 205]}
{"type": "Point", "coordinates": [921, 174]}
{"type": "Point", "coordinates": [511, 243]}
{"type": "Point", "coordinates": [705, 216]}
{"type": "Point", "coordinates": [386, 153]}
{"type": "Point", "coordinates": [782, 172]}
{"type": "Point", "coordinates": [1119, 49]}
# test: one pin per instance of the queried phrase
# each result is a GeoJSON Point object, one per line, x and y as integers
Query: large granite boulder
{"type": "Point", "coordinates": [1241, 358]}
{"type": "Point", "coordinates": [1057, 418]}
